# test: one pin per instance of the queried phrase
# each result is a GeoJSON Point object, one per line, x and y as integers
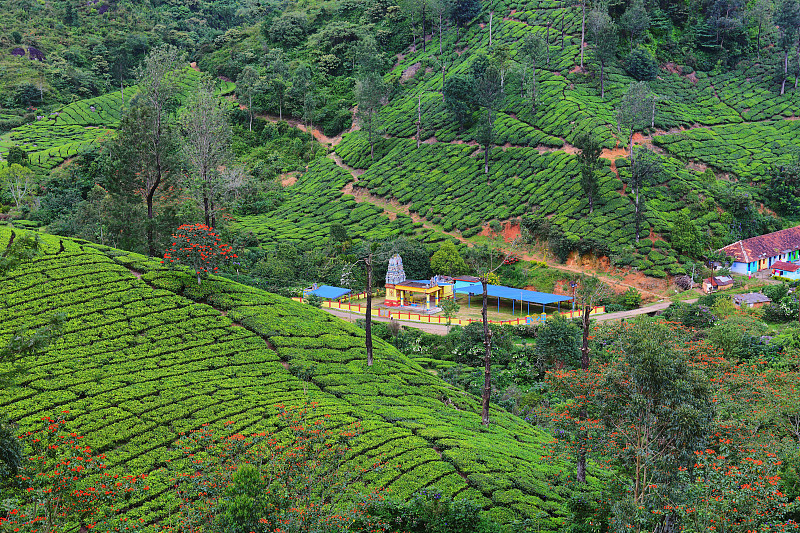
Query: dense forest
{"type": "Point", "coordinates": [174, 174]}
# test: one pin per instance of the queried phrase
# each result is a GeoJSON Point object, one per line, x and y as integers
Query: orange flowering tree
{"type": "Point", "coordinates": [63, 484]}
{"type": "Point", "coordinates": [734, 493]}
{"type": "Point", "coordinates": [297, 480]}
{"type": "Point", "coordinates": [198, 247]}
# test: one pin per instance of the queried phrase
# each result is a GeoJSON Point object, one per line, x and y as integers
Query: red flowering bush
{"type": "Point", "coordinates": [199, 247]}
{"type": "Point", "coordinates": [62, 484]}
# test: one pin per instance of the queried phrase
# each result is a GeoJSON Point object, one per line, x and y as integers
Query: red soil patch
{"type": "Point", "coordinates": [194, 66]}
{"type": "Point", "coordinates": [409, 72]}
{"type": "Point", "coordinates": [575, 69]}
{"type": "Point", "coordinates": [692, 78]}
{"type": "Point", "coordinates": [432, 140]}
{"type": "Point", "coordinates": [613, 154]}
{"type": "Point", "coordinates": [699, 167]}
{"type": "Point", "coordinates": [510, 231]}
{"type": "Point", "coordinates": [287, 180]}
{"type": "Point", "coordinates": [672, 67]}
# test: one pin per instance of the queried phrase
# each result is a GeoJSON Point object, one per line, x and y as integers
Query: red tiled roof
{"type": "Point", "coordinates": [764, 246]}
{"type": "Point", "coordinates": [783, 265]}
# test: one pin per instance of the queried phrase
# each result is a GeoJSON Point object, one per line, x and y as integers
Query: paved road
{"type": "Point", "coordinates": [640, 311]}
{"type": "Point", "coordinates": [438, 329]}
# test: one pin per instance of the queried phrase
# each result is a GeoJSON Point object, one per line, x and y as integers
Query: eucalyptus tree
{"type": "Point", "coordinates": [205, 141]}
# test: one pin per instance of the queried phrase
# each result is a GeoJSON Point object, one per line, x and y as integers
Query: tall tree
{"type": "Point", "coordinates": [656, 410]}
{"type": "Point", "coordinates": [787, 18]}
{"type": "Point", "coordinates": [488, 95]}
{"type": "Point", "coordinates": [604, 37]}
{"type": "Point", "coordinates": [532, 51]}
{"type": "Point", "coordinates": [645, 168]}
{"type": "Point", "coordinates": [303, 89]}
{"type": "Point", "coordinates": [157, 77]}
{"type": "Point", "coordinates": [760, 13]}
{"type": "Point", "coordinates": [635, 111]}
{"type": "Point", "coordinates": [635, 21]}
{"type": "Point", "coordinates": [441, 10]}
{"type": "Point", "coordinates": [247, 86]}
{"type": "Point", "coordinates": [589, 292]}
{"type": "Point", "coordinates": [459, 98]}
{"type": "Point", "coordinates": [485, 261]}
{"type": "Point", "coordinates": [19, 181]}
{"type": "Point", "coordinates": [583, 28]}
{"type": "Point", "coordinates": [277, 76]}
{"type": "Point", "coordinates": [463, 12]}
{"type": "Point", "coordinates": [371, 92]}
{"type": "Point", "coordinates": [205, 140]}
{"type": "Point", "coordinates": [589, 161]}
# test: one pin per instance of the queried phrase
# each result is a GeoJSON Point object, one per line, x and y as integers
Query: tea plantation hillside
{"type": "Point", "coordinates": [80, 127]}
{"type": "Point", "coordinates": [146, 354]}
{"type": "Point", "coordinates": [316, 201]}
{"type": "Point", "coordinates": [718, 133]}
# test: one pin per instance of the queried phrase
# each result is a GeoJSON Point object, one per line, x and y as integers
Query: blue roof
{"type": "Point", "coordinates": [511, 293]}
{"type": "Point", "coordinates": [326, 291]}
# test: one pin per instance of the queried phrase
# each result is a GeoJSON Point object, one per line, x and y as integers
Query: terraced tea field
{"type": "Point", "coordinates": [81, 126]}
{"type": "Point", "coordinates": [316, 201]}
{"type": "Point", "coordinates": [147, 354]}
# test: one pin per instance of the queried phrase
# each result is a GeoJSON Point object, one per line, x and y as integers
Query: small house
{"type": "Point", "coordinates": [717, 283]}
{"type": "Point", "coordinates": [753, 300]}
{"type": "Point", "coordinates": [785, 270]}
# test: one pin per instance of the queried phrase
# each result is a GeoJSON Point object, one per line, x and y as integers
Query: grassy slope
{"type": "Point", "coordinates": [143, 359]}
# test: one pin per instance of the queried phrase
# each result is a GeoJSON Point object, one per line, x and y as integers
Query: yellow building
{"type": "Point", "coordinates": [415, 292]}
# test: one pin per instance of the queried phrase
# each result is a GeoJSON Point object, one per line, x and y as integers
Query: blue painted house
{"type": "Point", "coordinates": [760, 253]}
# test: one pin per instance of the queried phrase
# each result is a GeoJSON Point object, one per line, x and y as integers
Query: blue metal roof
{"type": "Point", "coordinates": [511, 293]}
{"type": "Point", "coordinates": [326, 291]}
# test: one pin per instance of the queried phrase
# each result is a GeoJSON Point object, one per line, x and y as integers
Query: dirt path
{"type": "Point", "coordinates": [318, 135]}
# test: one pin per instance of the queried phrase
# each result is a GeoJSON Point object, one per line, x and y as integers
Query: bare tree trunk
{"type": "Point", "coordinates": [758, 42]}
{"type": "Point", "coordinates": [250, 110]}
{"type": "Point", "coordinates": [785, 70]}
{"type": "Point", "coordinates": [797, 76]}
{"type": "Point", "coordinates": [371, 141]}
{"type": "Point", "coordinates": [602, 81]}
{"type": "Point", "coordinates": [206, 208]}
{"type": "Point", "coordinates": [213, 213]}
{"type": "Point", "coordinates": [487, 359]}
{"type": "Point", "coordinates": [491, 16]}
{"type": "Point", "coordinates": [547, 40]}
{"type": "Point", "coordinates": [419, 119]}
{"type": "Point", "coordinates": [583, 29]}
{"type": "Point", "coordinates": [424, 47]}
{"type": "Point", "coordinates": [369, 311]}
{"type": "Point", "coordinates": [440, 35]}
{"type": "Point", "coordinates": [580, 473]}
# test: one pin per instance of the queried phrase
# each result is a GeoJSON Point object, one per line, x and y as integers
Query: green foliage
{"type": "Point", "coordinates": [644, 389]}
{"type": "Point", "coordinates": [446, 260]}
{"type": "Point", "coordinates": [558, 344]}
{"type": "Point", "coordinates": [641, 64]}
{"type": "Point", "coordinates": [430, 511]}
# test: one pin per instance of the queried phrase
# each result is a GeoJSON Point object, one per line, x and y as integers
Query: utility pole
{"type": "Point", "coordinates": [573, 285]}
{"type": "Point", "coordinates": [369, 310]}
